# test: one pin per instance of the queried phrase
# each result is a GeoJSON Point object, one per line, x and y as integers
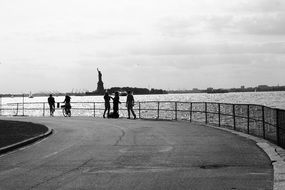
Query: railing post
{"type": "Point", "coordinates": [94, 109]}
{"type": "Point", "coordinates": [17, 109]}
{"type": "Point", "coordinates": [263, 122]}
{"type": "Point", "coordinates": [0, 104]}
{"type": "Point", "coordinates": [206, 115]}
{"type": "Point", "coordinates": [248, 119]}
{"type": "Point", "coordinates": [44, 109]}
{"type": "Point", "coordinates": [23, 104]}
{"type": "Point", "coordinates": [191, 112]}
{"type": "Point", "coordinates": [277, 127]}
{"type": "Point", "coordinates": [139, 110]}
{"type": "Point", "coordinates": [176, 111]}
{"type": "Point", "coordinates": [219, 112]}
{"type": "Point", "coordinates": [234, 116]}
{"type": "Point", "coordinates": [157, 110]}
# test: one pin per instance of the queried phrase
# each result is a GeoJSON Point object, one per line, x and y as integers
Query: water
{"type": "Point", "coordinates": [270, 99]}
{"type": "Point", "coordinates": [255, 120]}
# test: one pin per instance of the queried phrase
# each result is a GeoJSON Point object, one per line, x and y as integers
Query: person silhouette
{"type": "Point", "coordinates": [116, 102]}
{"type": "Point", "coordinates": [51, 103]}
{"type": "Point", "coordinates": [130, 104]}
{"type": "Point", "coordinates": [107, 104]}
{"type": "Point", "coordinates": [67, 103]}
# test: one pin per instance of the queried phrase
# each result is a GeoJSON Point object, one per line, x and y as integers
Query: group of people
{"type": "Point", "coordinates": [130, 102]}
{"type": "Point", "coordinates": [116, 101]}
{"type": "Point", "coordinates": [51, 102]}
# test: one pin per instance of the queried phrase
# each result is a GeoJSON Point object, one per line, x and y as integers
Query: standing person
{"type": "Point", "coordinates": [130, 104]}
{"type": "Point", "coordinates": [51, 103]}
{"type": "Point", "coordinates": [116, 102]}
{"type": "Point", "coordinates": [67, 104]}
{"type": "Point", "coordinates": [107, 104]}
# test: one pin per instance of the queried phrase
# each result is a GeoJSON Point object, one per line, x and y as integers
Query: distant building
{"type": "Point", "coordinates": [210, 89]}
{"type": "Point", "coordinates": [195, 90]}
{"type": "Point", "coordinates": [263, 87]}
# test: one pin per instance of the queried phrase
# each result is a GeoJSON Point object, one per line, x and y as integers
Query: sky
{"type": "Point", "coordinates": [57, 45]}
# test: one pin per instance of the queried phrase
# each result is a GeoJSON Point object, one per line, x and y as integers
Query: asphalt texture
{"type": "Point", "coordinates": [95, 153]}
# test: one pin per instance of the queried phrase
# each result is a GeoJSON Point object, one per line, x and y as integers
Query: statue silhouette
{"type": "Point", "coordinates": [99, 75]}
{"type": "Point", "coordinates": [100, 84]}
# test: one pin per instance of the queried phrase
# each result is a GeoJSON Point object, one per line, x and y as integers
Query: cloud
{"type": "Point", "coordinates": [226, 23]}
{"type": "Point", "coordinates": [258, 6]}
{"type": "Point", "coordinates": [242, 17]}
{"type": "Point", "coordinates": [263, 24]}
{"type": "Point", "coordinates": [188, 48]}
{"type": "Point", "coordinates": [139, 43]}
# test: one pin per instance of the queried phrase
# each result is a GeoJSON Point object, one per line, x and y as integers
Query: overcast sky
{"type": "Point", "coordinates": [56, 45]}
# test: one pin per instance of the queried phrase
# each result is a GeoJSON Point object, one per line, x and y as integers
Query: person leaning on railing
{"type": "Point", "coordinates": [107, 104]}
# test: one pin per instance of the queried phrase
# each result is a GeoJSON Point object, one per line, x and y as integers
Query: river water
{"type": "Point", "coordinates": [270, 99]}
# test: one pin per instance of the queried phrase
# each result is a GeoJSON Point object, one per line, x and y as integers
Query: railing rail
{"type": "Point", "coordinates": [258, 120]}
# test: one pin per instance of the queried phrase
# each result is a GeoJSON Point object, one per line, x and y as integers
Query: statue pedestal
{"type": "Point", "coordinates": [100, 88]}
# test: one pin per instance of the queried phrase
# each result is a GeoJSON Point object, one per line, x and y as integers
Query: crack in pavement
{"type": "Point", "coordinates": [62, 174]}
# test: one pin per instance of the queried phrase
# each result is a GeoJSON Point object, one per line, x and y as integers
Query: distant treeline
{"type": "Point", "coordinates": [111, 90]}
{"type": "Point", "coordinates": [260, 88]}
{"type": "Point", "coordinates": [41, 94]}
{"type": "Point", "coordinates": [136, 90]}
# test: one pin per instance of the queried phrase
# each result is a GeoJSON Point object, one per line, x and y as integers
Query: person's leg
{"type": "Point", "coordinates": [68, 109]}
{"type": "Point", "coordinates": [129, 114]}
{"type": "Point", "coordinates": [116, 108]}
{"type": "Point", "coordinates": [108, 112]}
{"type": "Point", "coordinates": [116, 114]}
{"type": "Point", "coordinates": [133, 113]}
{"type": "Point", "coordinates": [104, 112]}
{"type": "Point", "coordinates": [50, 110]}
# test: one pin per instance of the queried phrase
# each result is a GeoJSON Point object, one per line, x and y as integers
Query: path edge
{"type": "Point", "coordinates": [275, 153]}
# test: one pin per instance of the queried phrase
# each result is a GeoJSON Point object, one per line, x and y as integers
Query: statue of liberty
{"type": "Point", "coordinates": [100, 84]}
{"type": "Point", "coordinates": [99, 75]}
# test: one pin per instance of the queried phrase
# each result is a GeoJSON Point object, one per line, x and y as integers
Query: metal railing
{"type": "Point", "coordinates": [257, 120]}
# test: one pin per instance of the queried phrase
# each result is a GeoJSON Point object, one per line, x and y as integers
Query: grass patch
{"type": "Point", "coordinates": [12, 132]}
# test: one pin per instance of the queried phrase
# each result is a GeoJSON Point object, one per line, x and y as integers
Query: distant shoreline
{"type": "Point", "coordinates": [122, 90]}
{"type": "Point", "coordinates": [260, 88]}
{"type": "Point", "coordinates": [205, 92]}
{"type": "Point", "coordinates": [168, 92]}
{"type": "Point", "coordinates": [145, 91]}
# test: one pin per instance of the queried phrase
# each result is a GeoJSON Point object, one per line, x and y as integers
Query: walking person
{"type": "Point", "coordinates": [130, 104]}
{"type": "Point", "coordinates": [107, 104]}
{"type": "Point", "coordinates": [51, 103]}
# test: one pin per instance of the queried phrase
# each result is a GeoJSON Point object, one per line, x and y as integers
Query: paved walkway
{"type": "Point", "coordinates": [94, 153]}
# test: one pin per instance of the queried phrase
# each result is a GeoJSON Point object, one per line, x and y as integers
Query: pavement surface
{"type": "Point", "coordinates": [94, 153]}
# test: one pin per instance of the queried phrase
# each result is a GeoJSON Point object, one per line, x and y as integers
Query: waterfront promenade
{"type": "Point", "coordinates": [96, 153]}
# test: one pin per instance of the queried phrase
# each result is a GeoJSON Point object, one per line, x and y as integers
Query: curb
{"type": "Point", "coordinates": [274, 152]}
{"type": "Point", "coordinates": [15, 146]}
